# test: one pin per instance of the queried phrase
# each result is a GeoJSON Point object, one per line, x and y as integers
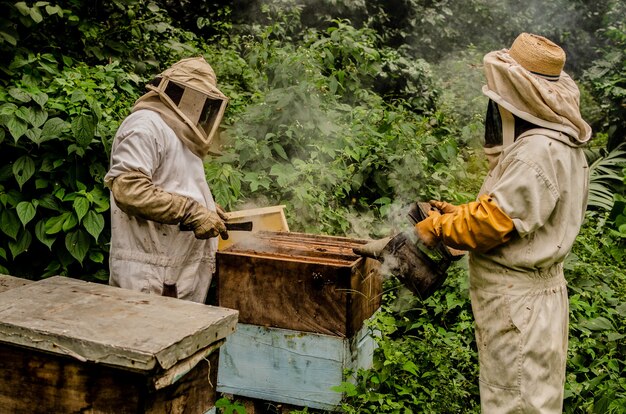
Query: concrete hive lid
{"type": "Point", "coordinates": [109, 325]}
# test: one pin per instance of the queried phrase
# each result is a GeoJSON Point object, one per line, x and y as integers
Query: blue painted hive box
{"type": "Point", "coordinates": [302, 301]}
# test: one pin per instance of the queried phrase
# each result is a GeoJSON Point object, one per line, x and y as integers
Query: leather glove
{"type": "Point", "coordinates": [136, 195]}
{"type": "Point", "coordinates": [480, 225]}
{"type": "Point", "coordinates": [204, 222]}
{"type": "Point", "coordinates": [221, 212]}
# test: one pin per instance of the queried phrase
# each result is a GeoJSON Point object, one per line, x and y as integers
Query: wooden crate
{"type": "Point", "coordinates": [292, 367]}
{"type": "Point", "coordinates": [302, 302]}
{"type": "Point", "coordinates": [299, 281]}
{"type": "Point", "coordinates": [71, 346]}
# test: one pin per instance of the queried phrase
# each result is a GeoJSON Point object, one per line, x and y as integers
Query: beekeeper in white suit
{"type": "Point", "coordinates": [164, 224]}
{"type": "Point", "coordinates": [523, 224]}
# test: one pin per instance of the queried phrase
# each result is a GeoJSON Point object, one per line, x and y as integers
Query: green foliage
{"type": "Point", "coordinates": [426, 360]}
{"type": "Point", "coordinates": [318, 135]}
{"type": "Point", "coordinates": [57, 121]}
{"type": "Point", "coordinates": [227, 406]}
{"type": "Point", "coordinates": [607, 76]}
{"type": "Point", "coordinates": [606, 176]}
{"type": "Point", "coordinates": [596, 369]}
{"type": "Point", "coordinates": [137, 33]}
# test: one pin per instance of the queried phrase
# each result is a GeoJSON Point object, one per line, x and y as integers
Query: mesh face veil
{"type": "Point", "coordinates": [201, 110]}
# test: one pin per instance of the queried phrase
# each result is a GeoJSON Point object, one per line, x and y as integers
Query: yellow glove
{"type": "Point", "coordinates": [480, 225]}
{"type": "Point", "coordinates": [444, 207]}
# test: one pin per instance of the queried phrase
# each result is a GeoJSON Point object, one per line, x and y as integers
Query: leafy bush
{"type": "Point", "coordinates": [426, 360]}
{"type": "Point", "coordinates": [319, 135]}
{"type": "Point", "coordinates": [596, 368]}
{"type": "Point", "coordinates": [58, 119]}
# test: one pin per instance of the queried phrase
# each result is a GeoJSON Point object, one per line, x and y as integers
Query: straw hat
{"type": "Point", "coordinates": [538, 55]}
{"type": "Point", "coordinates": [528, 80]}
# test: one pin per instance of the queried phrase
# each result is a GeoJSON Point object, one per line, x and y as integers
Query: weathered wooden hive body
{"type": "Point", "coordinates": [302, 302]}
{"type": "Point", "coordinates": [72, 346]}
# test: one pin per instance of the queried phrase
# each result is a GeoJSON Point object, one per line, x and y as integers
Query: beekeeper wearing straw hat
{"type": "Point", "coordinates": [158, 186]}
{"type": "Point", "coordinates": [522, 225]}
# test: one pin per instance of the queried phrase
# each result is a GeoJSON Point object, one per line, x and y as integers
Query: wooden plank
{"type": "Point", "coordinates": [104, 324]}
{"type": "Point", "coordinates": [290, 367]}
{"type": "Point", "coordinates": [34, 382]}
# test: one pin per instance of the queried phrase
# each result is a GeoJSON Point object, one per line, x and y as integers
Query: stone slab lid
{"type": "Point", "coordinates": [110, 325]}
{"type": "Point", "coordinates": [9, 282]}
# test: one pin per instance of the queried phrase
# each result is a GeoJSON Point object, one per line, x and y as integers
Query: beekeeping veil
{"type": "Point", "coordinates": [526, 85]}
{"type": "Point", "coordinates": [187, 98]}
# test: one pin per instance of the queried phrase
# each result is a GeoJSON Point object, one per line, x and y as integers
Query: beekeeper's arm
{"type": "Point", "coordinates": [136, 195]}
{"type": "Point", "coordinates": [130, 180]}
{"type": "Point", "coordinates": [520, 202]}
{"type": "Point", "coordinates": [480, 225]}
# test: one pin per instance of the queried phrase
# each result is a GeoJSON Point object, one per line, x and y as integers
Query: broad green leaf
{"type": "Point", "coordinates": [17, 127]}
{"type": "Point", "coordinates": [22, 113]}
{"type": "Point", "coordinates": [77, 243]}
{"type": "Point", "coordinates": [8, 109]}
{"type": "Point", "coordinates": [22, 7]}
{"type": "Point", "coordinates": [55, 224]}
{"type": "Point", "coordinates": [78, 95]}
{"type": "Point", "coordinates": [11, 198]}
{"type": "Point", "coordinates": [48, 201]}
{"type": "Point", "coordinates": [23, 169]}
{"type": "Point", "coordinates": [41, 98]}
{"type": "Point", "coordinates": [25, 211]}
{"type": "Point", "coordinates": [34, 134]}
{"type": "Point", "coordinates": [96, 257]}
{"type": "Point", "coordinates": [93, 223]}
{"type": "Point", "coordinates": [42, 236]}
{"type": "Point", "coordinates": [20, 94]}
{"type": "Point", "coordinates": [83, 129]}
{"type": "Point", "coordinates": [21, 244]}
{"type": "Point", "coordinates": [35, 14]}
{"type": "Point", "coordinates": [37, 117]}
{"type": "Point", "coordinates": [54, 10]}
{"type": "Point", "coordinates": [3, 253]}
{"type": "Point", "coordinates": [598, 324]}
{"type": "Point", "coordinates": [70, 222]}
{"type": "Point", "coordinates": [41, 183]}
{"type": "Point", "coordinates": [53, 128]}
{"type": "Point", "coordinates": [9, 223]}
{"type": "Point", "coordinates": [81, 205]}
{"type": "Point", "coordinates": [280, 151]}
{"type": "Point", "coordinates": [9, 38]}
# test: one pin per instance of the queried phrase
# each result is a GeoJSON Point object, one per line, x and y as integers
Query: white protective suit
{"type": "Point", "coordinates": [518, 290]}
{"type": "Point", "coordinates": [145, 254]}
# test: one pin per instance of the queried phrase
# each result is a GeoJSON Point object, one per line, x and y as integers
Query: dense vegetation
{"type": "Point", "coordinates": [344, 111]}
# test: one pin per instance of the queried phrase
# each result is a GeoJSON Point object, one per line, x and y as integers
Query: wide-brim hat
{"type": "Point", "coordinates": [528, 80]}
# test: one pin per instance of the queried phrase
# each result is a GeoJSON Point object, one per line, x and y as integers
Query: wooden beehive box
{"type": "Point", "coordinates": [270, 218]}
{"type": "Point", "coordinates": [302, 302]}
{"type": "Point", "coordinates": [299, 281]}
{"type": "Point", "coordinates": [72, 346]}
